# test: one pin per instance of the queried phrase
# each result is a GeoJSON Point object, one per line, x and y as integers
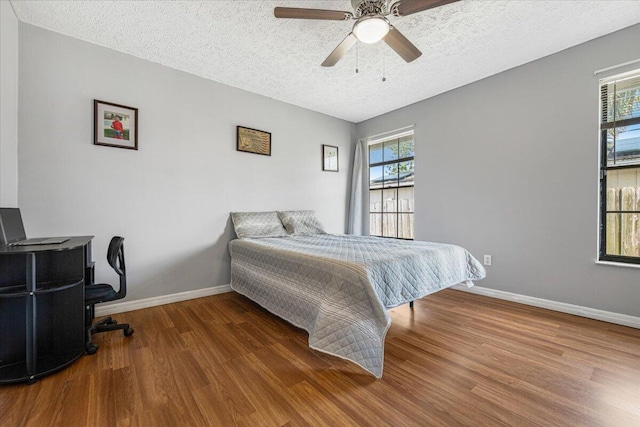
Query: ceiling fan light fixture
{"type": "Point", "coordinates": [371, 29]}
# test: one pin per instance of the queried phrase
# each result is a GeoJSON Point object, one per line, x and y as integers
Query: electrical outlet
{"type": "Point", "coordinates": [487, 260]}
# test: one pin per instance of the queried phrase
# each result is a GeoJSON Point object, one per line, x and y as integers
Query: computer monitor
{"type": "Point", "coordinates": [11, 226]}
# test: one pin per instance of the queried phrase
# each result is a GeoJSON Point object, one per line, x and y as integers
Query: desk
{"type": "Point", "coordinates": [42, 307]}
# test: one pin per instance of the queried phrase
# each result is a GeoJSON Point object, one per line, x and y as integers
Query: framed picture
{"type": "Point", "coordinates": [115, 125]}
{"type": "Point", "coordinates": [253, 141]}
{"type": "Point", "coordinates": [329, 158]}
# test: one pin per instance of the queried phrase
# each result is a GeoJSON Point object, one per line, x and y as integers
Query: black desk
{"type": "Point", "coordinates": [42, 307]}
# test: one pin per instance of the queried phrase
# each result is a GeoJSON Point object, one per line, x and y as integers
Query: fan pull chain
{"type": "Point", "coordinates": [357, 58]}
{"type": "Point", "coordinates": [384, 79]}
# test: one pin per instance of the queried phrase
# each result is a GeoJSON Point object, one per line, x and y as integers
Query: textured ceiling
{"type": "Point", "coordinates": [241, 44]}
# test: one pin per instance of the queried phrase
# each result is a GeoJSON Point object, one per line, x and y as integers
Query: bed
{"type": "Point", "coordinates": [338, 287]}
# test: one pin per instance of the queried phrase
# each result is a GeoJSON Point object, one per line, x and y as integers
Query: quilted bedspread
{"type": "Point", "coordinates": [338, 287]}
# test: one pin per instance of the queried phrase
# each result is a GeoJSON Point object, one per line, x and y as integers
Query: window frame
{"type": "Point", "coordinates": [604, 169]}
{"type": "Point", "coordinates": [397, 213]}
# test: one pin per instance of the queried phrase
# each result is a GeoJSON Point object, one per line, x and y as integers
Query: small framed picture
{"type": "Point", "coordinates": [115, 125]}
{"type": "Point", "coordinates": [329, 158]}
{"type": "Point", "coordinates": [253, 141]}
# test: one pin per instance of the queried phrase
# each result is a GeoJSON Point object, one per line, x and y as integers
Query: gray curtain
{"type": "Point", "coordinates": [355, 225]}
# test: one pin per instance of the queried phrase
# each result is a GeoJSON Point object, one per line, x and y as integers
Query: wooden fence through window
{"type": "Point", "coordinates": [623, 229]}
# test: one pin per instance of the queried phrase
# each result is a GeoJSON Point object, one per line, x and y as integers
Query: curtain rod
{"type": "Point", "coordinates": [595, 73]}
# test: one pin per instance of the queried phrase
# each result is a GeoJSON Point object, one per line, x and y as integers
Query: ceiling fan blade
{"type": "Point", "coordinates": [401, 45]}
{"type": "Point", "coordinates": [297, 13]}
{"type": "Point", "coordinates": [407, 7]}
{"type": "Point", "coordinates": [340, 51]}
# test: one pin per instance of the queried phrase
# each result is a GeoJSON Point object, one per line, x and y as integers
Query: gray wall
{"type": "Point", "coordinates": [170, 199]}
{"type": "Point", "coordinates": [508, 166]}
{"type": "Point", "coordinates": [8, 106]}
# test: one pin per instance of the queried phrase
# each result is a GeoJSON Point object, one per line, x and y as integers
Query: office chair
{"type": "Point", "coordinates": [101, 292]}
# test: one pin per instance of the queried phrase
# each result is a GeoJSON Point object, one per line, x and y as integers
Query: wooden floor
{"type": "Point", "coordinates": [456, 359]}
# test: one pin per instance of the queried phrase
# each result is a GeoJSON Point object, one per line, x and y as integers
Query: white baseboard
{"type": "Point", "coordinates": [591, 313]}
{"type": "Point", "coordinates": [105, 310]}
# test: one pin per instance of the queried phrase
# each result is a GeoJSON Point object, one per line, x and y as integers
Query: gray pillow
{"type": "Point", "coordinates": [257, 224]}
{"type": "Point", "coordinates": [301, 222]}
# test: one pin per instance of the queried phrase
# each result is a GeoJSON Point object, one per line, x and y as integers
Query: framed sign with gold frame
{"type": "Point", "coordinates": [253, 141]}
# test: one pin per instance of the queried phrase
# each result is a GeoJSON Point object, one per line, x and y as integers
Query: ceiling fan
{"type": "Point", "coordinates": [371, 24]}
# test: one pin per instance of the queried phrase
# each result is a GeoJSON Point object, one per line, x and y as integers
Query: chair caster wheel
{"type": "Point", "coordinates": [91, 348]}
{"type": "Point", "coordinates": [128, 332]}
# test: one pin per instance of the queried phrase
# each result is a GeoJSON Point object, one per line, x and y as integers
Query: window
{"type": "Point", "coordinates": [391, 187]}
{"type": "Point", "coordinates": [620, 169]}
